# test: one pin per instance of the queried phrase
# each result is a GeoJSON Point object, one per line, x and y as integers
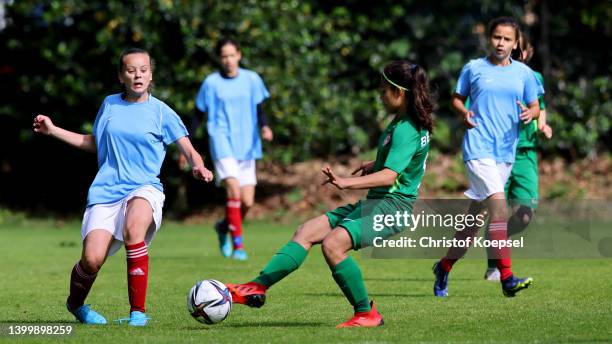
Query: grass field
{"type": "Point", "coordinates": [569, 301]}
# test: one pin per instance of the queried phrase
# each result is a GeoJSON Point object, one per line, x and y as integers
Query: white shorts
{"type": "Point", "coordinates": [243, 170]}
{"type": "Point", "coordinates": [111, 216]}
{"type": "Point", "coordinates": [486, 177]}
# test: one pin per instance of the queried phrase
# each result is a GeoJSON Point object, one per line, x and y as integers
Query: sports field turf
{"type": "Point", "coordinates": [569, 301]}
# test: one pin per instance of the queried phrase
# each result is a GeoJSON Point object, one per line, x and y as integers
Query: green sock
{"type": "Point", "coordinates": [284, 262]}
{"type": "Point", "coordinates": [349, 279]}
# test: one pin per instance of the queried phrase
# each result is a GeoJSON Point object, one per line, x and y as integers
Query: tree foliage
{"type": "Point", "coordinates": [319, 59]}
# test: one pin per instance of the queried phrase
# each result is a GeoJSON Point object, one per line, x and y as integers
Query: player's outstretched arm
{"type": "Point", "coordinates": [43, 124]}
{"type": "Point", "coordinates": [384, 177]}
{"type": "Point", "coordinates": [194, 159]}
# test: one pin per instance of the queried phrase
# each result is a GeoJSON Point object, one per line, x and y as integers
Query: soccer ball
{"type": "Point", "coordinates": [209, 301]}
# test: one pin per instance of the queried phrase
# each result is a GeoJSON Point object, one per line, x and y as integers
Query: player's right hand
{"type": "Point", "coordinates": [365, 168]}
{"type": "Point", "coordinates": [202, 173]}
{"type": "Point", "coordinates": [42, 124]}
{"type": "Point", "coordinates": [468, 121]}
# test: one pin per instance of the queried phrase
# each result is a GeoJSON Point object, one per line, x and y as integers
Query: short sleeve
{"type": "Point", "coordinates": [533, 88]}
{"type": "Point", "coordinates": [540, 80]}
{"type": "Point", "coordinates": [260, 92]}
{"type": "Point", "coordinates": [405, 141]}
{"type": "Point", "coordinates": [97, 120]}
{"type": "Point", "coordinates": [172, 125]}
{"type": "Point", "coordinates": [463, 84]}
{"type": "Point", "coordinates": [200, 100]}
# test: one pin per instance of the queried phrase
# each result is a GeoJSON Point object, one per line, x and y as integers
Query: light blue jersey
{"type": "Point", "coordinates": [131, 141]}
{"type": "Point", "coordinates": [231, 105]}
{"type": "Point", "coordinates": [493, 91]}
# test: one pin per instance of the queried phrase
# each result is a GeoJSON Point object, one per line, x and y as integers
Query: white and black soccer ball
{"type": "Point", "coordinates": [209, 301]}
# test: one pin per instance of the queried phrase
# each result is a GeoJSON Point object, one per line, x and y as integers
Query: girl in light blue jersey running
{"type": "Point", "coordinates": [232, 99]}
{"type": "Point", "coordinates": [124, 205]}
{"type": "Point", "coordinates": [498, 88]}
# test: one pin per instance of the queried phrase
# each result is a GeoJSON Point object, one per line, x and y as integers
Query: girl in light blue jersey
{"type": "Point", "coordinates": [497, 86]}
{"type": "Point", "coordinates": [232, 98]}
{"type": "Point", "coordinates": [124, 205]}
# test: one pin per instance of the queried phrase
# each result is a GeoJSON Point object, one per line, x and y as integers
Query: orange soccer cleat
{"type": "Point", "coordinates": [364, 319]}
{"type": "Point", "coordinates": [251, 294]}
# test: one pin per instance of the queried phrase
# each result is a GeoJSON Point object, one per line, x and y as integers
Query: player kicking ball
{"type": "Point", "coordinates": [392, 179]}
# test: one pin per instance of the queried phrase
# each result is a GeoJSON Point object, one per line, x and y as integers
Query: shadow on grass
{"type": "Point", "coordinates": [339, 295]}
{"type": "Point", "coordinates": [265, 324]}
{"type": "Point", "coordinates": [401, 279]}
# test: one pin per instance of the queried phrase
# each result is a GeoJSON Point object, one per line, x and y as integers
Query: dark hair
{"type": "Point", "coordinates": [225, 41]}
{"type": "Point", "coordinates": [508, 21]}
{"type": "Point", "coordinates": [413, 78]}
{"type": "Point", "coordinates": [523, 45]}
{"type": "Point", "coordinates": [130, 51]}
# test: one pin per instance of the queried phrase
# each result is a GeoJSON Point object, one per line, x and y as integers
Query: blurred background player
{"type": "Point", "coordinates": [124, 205]}
{"type": "Point", "coordinates": [498, 86]}
{"type": "Point", "coordinates": [393, 178]}
{"type": "Point", "coordinates": [522, 185]}
{"type": "Point", "coordinates": [233, 100]}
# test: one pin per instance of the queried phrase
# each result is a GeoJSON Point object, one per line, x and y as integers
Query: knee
{"type": "Point", "coordinates": [135, 230]}
{"type": "Point", "coordinates": [92, 263]}
{"type": "Point", "coordinates": [332, 250]}
{"type": "Point", "coordinates": [525, 214]}
{"type": "Point", "coordinates": [301, 235]}
{"type": "Point", "coordinates": [130, 232]}
{"type": "Point", "coordinates": [232, 188]}
{"type": "Point", "coordinates": [247, 203]}
{"type": "Point", "coordinates": [306, 236]}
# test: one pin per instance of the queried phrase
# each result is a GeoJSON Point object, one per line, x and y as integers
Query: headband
{"type": "Point", "coordinates": [394, 84]}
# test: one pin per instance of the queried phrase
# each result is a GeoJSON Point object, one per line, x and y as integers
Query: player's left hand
{"type": "Point", "coordinates": [526, 115]}
{"type": "Point", "coordinates": [332, 179]}
{"type": "Point", "coordinates": [546, 130]}
{"type": "Point", "coordinates": [266, 133]}
{"type": "Point", "coordinates": [202, 173]}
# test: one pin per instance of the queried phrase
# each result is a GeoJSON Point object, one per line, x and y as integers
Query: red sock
{"type": "Point", "coordinates": [455, 253]}
{"type": "Point", "coordinates": [234, 221]}
{"type": "Point", "coordinates": [137, 275]}
{"type": "Point", "coordinates": [498, 230]}
{"type": "Point", "coordinates": [80, 285]}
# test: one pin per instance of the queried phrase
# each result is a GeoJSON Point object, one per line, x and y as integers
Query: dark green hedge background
{"type": "Point", "coordinates": [319, 59]}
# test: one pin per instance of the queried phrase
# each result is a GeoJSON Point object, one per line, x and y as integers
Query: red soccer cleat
{"type": "Point", "coordinates": [251, 294]}
{"type": "Point", "coordinates": [364, 319]}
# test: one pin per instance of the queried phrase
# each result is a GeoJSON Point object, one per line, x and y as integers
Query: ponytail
{"type": "Point", "coordinates": [412, 79]}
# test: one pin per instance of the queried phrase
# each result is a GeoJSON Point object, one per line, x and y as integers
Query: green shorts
{"type": "Point", "coordinates": [362, 220]}
{"type": "Point", "coordinates": [522, 185]}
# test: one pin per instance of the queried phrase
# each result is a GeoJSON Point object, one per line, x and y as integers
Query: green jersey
{"type": "Point", "coordinates": [403, 148]}
{"type": "Point", "coordinates": [528, 133]}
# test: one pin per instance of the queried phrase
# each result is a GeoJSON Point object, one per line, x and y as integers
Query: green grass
{"type": "Point", "coordinates": [568, 302]}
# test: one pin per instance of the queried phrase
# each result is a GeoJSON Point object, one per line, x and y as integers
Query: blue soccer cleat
{"type": "Point", "coordinates": [240, 254]}
{"type": "Point", "coordinates": [512, 285]}
{"type": "Point", "coordinates": [87, 316]}
{"type": "Point", "coordinates": [136, 318]}
{"type": "Point", "coordinates": [441, 283]}
{"type": "Point", "coordinates": [225, 245]}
